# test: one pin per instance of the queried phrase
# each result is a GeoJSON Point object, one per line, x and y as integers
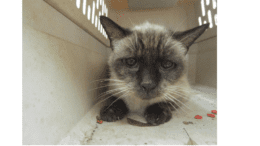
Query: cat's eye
{"type": "Point", "coordinates": [130, 61]}
{"type": "Point", "coordinates": [168, 64]}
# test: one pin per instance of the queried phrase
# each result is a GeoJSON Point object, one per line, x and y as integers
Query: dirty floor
{"type": "Point", "coordinates": [202, 131]}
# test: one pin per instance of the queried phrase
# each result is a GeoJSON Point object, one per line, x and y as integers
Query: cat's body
{"type": "Point", "coordinates": [148, 70]}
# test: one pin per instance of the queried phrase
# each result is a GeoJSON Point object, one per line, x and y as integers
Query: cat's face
{"type": "Point", "coordinates": [147, 59]}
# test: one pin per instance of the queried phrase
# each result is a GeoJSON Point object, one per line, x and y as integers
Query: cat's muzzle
{"type": "Point", "coordinates": [149, 94]}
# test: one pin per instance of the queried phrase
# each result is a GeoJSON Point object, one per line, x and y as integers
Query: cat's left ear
{"type": "Point", "coordinates": [188, 37]}
{"type": "Point", "coordinates": [113, 30]}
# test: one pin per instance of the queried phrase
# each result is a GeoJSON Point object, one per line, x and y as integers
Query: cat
{"type": "Point", "coordinates": [148, 70]}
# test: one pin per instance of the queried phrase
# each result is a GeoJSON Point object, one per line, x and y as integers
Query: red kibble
{"type": "Point", "coordinates": [211, 115]}
{"type": "Point", "coordinates": [214, 111]}
{"type": "Point", "coordinates": [198, 117]}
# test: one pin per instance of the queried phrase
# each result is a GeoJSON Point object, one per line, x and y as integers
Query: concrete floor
{"type": "Point", "coordinates": [202, 131]}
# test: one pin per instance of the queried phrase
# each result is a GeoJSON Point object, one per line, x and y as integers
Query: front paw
{"type": "Point", "coordinates": [157, 115]}
{"type": "Point", "coordinates": [115, 112]}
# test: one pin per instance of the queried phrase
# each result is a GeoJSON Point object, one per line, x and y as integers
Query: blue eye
{"type": "Point", "coordinates": [130, 61]}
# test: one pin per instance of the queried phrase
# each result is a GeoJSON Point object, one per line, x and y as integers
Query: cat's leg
{"type": "Point", "coordinates": [116, 111]}
{"type": "Point", "coordinates": [158, 113]}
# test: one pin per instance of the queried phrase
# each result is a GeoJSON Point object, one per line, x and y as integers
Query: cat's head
{"type": "Point", "coordinates": [148, 59]}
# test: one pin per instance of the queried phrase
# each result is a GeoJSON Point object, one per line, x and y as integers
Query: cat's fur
{"type": "Point", "coordinates": [147, 86]}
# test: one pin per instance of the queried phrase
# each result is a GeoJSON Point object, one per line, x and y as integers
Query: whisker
{"type": "Point", "coordinates": [116, 100]}
{"type": "Point", "coordinates": [181, 89]}
{"type": "Point", "coordinates": [182, 96]}
{"type": "Point", "coordinates": [111, 96]}
{"type": "Point", "coordinates": [166, 104]}
{"type": "Point", "coordinates": [127, 85]}
{"type": "Point", "coordinates": [110, 91]}
{"type": "Point", "coordinates": [182, 92]}
{"type": "Point", "coordinates": [172, 105]}
{"type": "Point", "coordinates": [177, 91]}
{"type": "Point", "coordinates": [105, 80]}
{"type": "Point", "coordinates": [179, 94]}
{"type": "Point", "coordinates": [102, 87]}
{"type": "Point", "coordinates": [178, 101]}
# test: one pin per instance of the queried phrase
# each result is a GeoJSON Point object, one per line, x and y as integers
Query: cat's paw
{"type": "Point", "coordinates": [113, 113]}
{"type": "Point", "coordinates": [157, 115]}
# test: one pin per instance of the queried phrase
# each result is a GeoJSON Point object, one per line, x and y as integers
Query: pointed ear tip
{"type": "Point", "coordinates": [102, 17]}
{"type": "Point", "coordinates": [207, 25]}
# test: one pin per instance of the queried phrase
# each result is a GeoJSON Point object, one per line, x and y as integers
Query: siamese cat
{"type": "Point", "coordinates": [148, 70]}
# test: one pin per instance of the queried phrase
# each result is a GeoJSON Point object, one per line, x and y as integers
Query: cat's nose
{"type": "Point", "coordinates": [148, 83]}
{"type": "Point", "coordinates": [148, 86]}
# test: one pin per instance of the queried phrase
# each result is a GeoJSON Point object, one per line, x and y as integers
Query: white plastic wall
{"type": "Point", "coordinates": [59, 61]}
{"type": "Point", "coordinates": [203, 55]}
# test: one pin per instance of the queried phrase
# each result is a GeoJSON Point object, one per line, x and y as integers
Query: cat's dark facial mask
{"type": "Point", "coordinates": [147, 58]}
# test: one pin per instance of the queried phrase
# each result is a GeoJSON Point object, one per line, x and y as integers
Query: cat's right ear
{"type": "Point", "coordinates": [113, 30]}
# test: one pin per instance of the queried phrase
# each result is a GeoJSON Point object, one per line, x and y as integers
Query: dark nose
{"type": "Point", "coordinates": [148, 86]}
{"type": "Point", "coordinates": [148, 83]}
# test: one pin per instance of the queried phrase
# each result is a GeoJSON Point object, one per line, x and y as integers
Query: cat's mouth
{"type": "Point", "coordinates": [149, 95]}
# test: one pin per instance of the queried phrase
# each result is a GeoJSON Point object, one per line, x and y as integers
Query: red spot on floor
{"type": "Point", "coordinates": [198, 117]}
{"type": "Point", "coordinates": [214, 111]}
{"type": "Point", "coordinates": [211, 115]}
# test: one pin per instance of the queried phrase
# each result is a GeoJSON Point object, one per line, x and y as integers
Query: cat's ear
{"type": "Point", "coordinates": [188, 37]}
{"type": "Point", "coordinates": [113, 30]}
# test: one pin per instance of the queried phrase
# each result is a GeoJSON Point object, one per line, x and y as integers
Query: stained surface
{"type": "Point", "coordinates": [202, 131]}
